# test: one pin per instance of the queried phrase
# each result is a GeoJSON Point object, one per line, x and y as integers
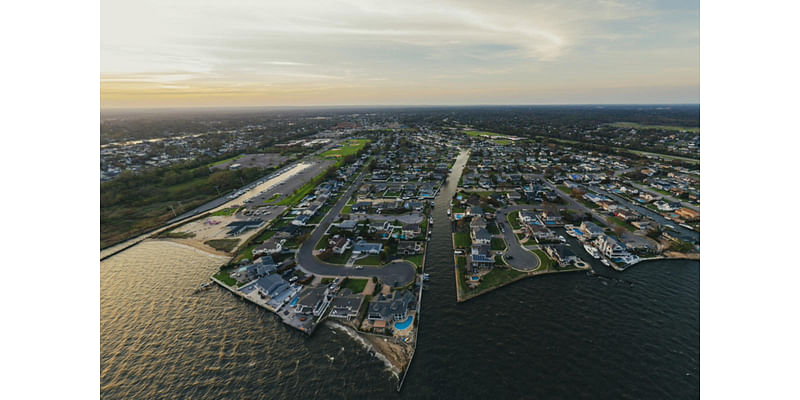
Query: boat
{"type": "Point", "coordinates": [430, 220]}
{"type": "Point", "coordinates": [448, 212]}
{"type": "Point", "coordinates": [426, 277]}
{"type": "Point", "coordinates": [605, 262]}
{"type": "Point", "coordinates": [591, 250]}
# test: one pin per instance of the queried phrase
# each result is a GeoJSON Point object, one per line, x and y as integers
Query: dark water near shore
{"type": "Point", "coordinates": [626, 335]}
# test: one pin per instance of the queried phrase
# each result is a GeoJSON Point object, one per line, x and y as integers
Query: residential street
{"type": "Point", "coordinates": [399, 273]}
{"type": "Point", "coordinates": [522, 259]}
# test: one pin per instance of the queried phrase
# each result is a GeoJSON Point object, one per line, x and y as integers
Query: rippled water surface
{"type": "Point", "coordinates": [626, 335]}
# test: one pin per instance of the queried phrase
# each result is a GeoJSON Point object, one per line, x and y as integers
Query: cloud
{"type": "Point", "coordinates": [277, 44]}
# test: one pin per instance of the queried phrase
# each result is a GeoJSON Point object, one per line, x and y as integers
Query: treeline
{"type": "Point", "coordinates": [173, 183]}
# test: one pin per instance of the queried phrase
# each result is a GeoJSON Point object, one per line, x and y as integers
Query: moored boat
{"type": "Point", "coordinates": [591, 250]}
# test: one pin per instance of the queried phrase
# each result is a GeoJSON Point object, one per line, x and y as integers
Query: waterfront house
{"type": "Point", "coordinates": [610, 247]}
{"type": "Point", "coordinates": [481, 236]}
{"type": "Point", "coordinates": [477, 223]}
{"type": "Point", "coordinates": [409, 247]}
{"type": "Point", "coordinates": [392, 307]}
{"type": "Point", "coordinates": [411, 231]}
{"type": "Point", "coordinates": [346, 306]}
{"type": "Point", "coordinates": [475, 210]}
{"type": "Point", "coordinates": [590, 230]}
{"type": "Point", "coordinates": [312, 301]}
{"type": "Point", "coordinates": [561, 254]}
{"type": "Point", "coordinates": [250, 272]}
{"type": "Point", "coordinates": [271, 285]}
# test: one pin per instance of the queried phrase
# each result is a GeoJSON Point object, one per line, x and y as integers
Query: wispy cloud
{"type": "Point", "coordinates": [355, 44]}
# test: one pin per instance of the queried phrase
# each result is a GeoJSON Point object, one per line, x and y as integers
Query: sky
{"type": "Point", "coordinates": [188, 53]}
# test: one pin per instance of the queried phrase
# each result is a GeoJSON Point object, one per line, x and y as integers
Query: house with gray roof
{"type": "Point", "coordinates": [346, 307]}
{"type": "Point", "coordinates": [271, 285]}
{"type": "Point", "coordinates": [362, 247]}
{"type": "Point", "coordinates": [393, 307]}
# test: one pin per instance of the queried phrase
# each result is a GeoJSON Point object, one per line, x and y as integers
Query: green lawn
{"type": "Point", "coordinates": [323, 243]}
{"type": "Point", "coordinates": [498, 244]}
{"type": "Point", "coordinates": [225, 212]}
{"type": "Point", "coordinates": [483, 133]}
{"type": "Point", "coordinates": [356, 285]}
{"type": "Point", "coordinates": [352, 146]}
{"type": "Point", "coordinates": [547, 263]}
{"type": "Point", "coordinates": [492, 228]}
{"type": "Point", "coordinates": [622, 223]}
{"type": "Point", "coordinates": [462, 240]}
{"type": "Point", "coordinates": [214, 164]}
{"type": "Point", "coordinates": [461, 261]}
{"type": "Point", "coordinates": [340, 258]}
{"type": "Point", "coordinates": [513, 220]}
{"type": "Point", "coordinates": [416, 259]}
{"type": "Point", "coordinates": [225, 278]}
{"type": "Point", "coordinates": [564, 189]}
{"type": "Point", "coordinates": [272, 198]}
{"type": "Point", "coordinates": [498, 277]}
{"type": "Point", "coordinates": [502, 142]}
{"type": "Point", "coordinates": [374, 259]}
{"type": "Point", "coordinates": [226, 245]}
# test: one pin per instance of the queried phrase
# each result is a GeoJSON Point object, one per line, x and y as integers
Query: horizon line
{"type": "Point", "coordinates": [346, 106]}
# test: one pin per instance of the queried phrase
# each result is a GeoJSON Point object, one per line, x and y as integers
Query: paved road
{"type": "Point", "coordinates": [399, 273]}
{"type": "Point", "coordinates": [522, 259]}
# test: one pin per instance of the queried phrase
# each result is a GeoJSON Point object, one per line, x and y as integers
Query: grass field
{"type": "Point", "coordinates": [222, 244]}
{"type": "Point", "coordinates": [416, 260]}
{"type": "Point", "coordinates": [663, 127]}
{"type": "Point", "coordinates": [373, 259]}
{"type": "Point", "coordinates": [498, 244]}
{"type": "Point", "coordinates": [462, 239]}
{"type": "Point", "coordinates": [225, 278]}
{"type": "Point", "coordinates": [356, 285]}
{"type": "Point", "coordinates": [352, 146]}
{"type": "Point", "coordinates": [546, 262]}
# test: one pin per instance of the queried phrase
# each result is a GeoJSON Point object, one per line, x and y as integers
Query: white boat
{"type": "Point", "coordinates": [448, 212]}
{"type": "Point", "coordinates": [591, 250]}
{"type": "Point", "coordinates": [605, 262]}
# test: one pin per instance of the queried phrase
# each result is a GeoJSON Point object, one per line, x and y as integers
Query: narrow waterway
{"type": "Point", "coordinates": [554, 336]}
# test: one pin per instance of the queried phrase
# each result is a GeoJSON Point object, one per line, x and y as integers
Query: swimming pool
{"type": "Point", "coordinates": [475, 278]}
{"type": "Point", "coordinates": [578, 231]}
{"type": "Point", "coordinates": [405, 324]}
{"type": "Point", "coordinates": [293, 302]}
